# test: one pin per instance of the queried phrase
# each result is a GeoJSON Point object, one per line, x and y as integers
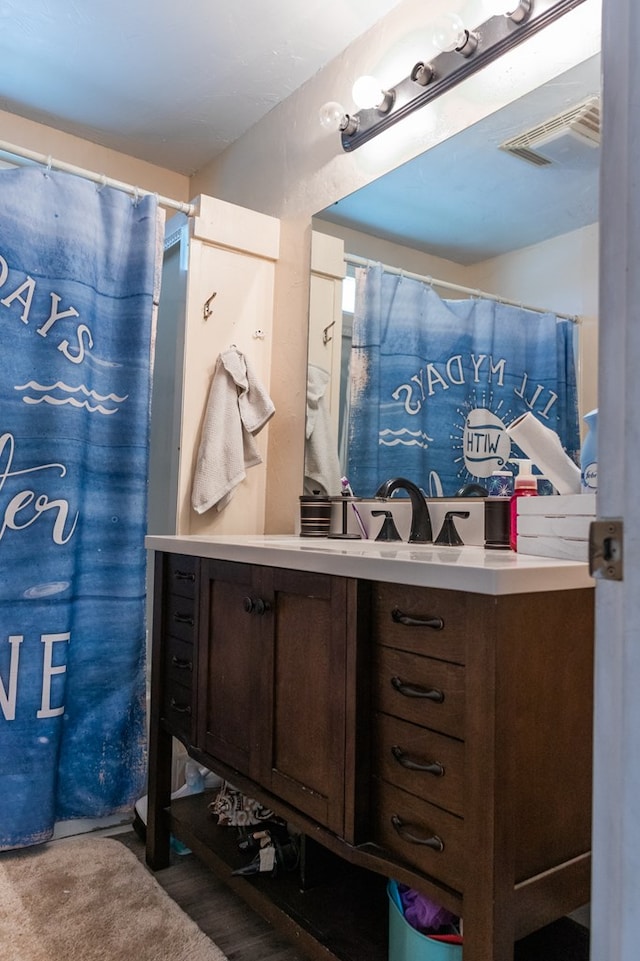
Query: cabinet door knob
{"type": "Point", "coordinates": [428, 767]}
{"type": "Point", "coordinates": [435, 623]}
{"type": "Point", "coordinates": [433, 841]}
{"type": "Point", "coordinates": [256, 606]}
{"type": "Point", "coordinates": [415, 690]}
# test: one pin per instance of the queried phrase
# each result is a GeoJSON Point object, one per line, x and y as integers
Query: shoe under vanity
{"type": "Point", "coordinates": [416, 712]}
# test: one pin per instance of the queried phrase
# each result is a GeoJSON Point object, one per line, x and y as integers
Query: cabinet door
{"type": "Point", "coordinates": [303, 690]}
{"type": "Point", "coordinates": [272, 686]}
{"type": "Point", "coordinates": [229, 665]}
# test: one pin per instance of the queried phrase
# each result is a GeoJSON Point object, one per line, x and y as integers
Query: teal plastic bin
{"type": "Point", "coordinates": [407, 944]}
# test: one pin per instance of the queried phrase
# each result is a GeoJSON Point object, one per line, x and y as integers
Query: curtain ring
{"type": "Point", "coordinates": [103, 182]}
{"type": "Point", "coordinates": [48, 167]}
{"type": "Point", "coordinates": [136, 196]}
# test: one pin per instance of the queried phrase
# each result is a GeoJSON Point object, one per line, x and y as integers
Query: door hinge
{"type": "Point", "coordinates": [605, 548]}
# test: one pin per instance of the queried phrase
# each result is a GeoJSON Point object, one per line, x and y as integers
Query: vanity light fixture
{"type": "Point", "coordinates": [462, 53]}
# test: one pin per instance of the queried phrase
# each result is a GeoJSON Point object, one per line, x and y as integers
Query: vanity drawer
{"type": "Point", "coordinates": [178, 662]}
{"type": "Point", "coordinates": [177, 709]}
{"type": "Point", "coordinates": [421, 690]}
{"type": "Point", "coordinates": [422, 620]}
{"type": "Point", "coordinates": [181, 571]}
{"type": "Point", "coordinates": [427, 765]}
{"type": "Point", "coordinates": [420, 834]}
{"type": "Point", "coordinates": [179, 617]}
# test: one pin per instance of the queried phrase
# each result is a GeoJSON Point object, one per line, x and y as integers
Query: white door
{"type": "Point", "coordinates": [615, 902]}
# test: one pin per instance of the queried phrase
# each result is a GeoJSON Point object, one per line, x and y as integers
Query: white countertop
{"type": "Point", "coordinates": [473, 569]}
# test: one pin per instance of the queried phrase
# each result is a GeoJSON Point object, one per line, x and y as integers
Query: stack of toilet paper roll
{"type": "Point", "coordinates": [542, 445]}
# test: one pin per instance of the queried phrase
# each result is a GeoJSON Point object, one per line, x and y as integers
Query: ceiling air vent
{"type": "Point", "coordinates": [563, 139]}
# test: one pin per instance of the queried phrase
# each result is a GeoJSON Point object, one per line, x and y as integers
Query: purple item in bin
{"type": "Point", "coordinates": [422, 913]}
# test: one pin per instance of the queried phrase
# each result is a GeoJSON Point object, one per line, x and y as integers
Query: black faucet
{"type": "Point", "coordinates": [472, 490]}
{"type": "Point", "coordinates": [421, 532]}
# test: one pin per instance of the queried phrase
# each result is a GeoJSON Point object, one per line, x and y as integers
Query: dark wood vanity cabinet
{"type": "Point", "coordinates": [436, 736]}
{"type": "Point", "coordinates": [482, 779]}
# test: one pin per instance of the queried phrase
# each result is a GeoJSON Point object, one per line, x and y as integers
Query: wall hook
{"type": "Point", "coordinates": [325, 333]}
{"type": "Point", "coordinates": [206, 310]}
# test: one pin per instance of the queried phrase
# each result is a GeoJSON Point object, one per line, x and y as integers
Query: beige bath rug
{"type": "Point", "coordinates": [91, 900]}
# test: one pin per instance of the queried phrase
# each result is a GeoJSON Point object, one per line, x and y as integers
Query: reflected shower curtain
{"type": "Point", "coordinates": [434, 383]}
{"type": "Point", "coordinates": [79, 275]}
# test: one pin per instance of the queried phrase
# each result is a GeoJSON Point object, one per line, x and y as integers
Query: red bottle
{"type": "Point", "coordinates": [525, 485]}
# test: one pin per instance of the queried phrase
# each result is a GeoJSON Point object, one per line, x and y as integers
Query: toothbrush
{"type": "Point", "coordinates": [363, 529]}
{"type": "Point", "coordinates": [346, 487]}
{"type": "Point", "coordinates": [347, 491]}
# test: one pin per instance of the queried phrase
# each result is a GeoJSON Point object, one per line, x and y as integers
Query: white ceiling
{"type": "Point", "coordinates": [171, 83]}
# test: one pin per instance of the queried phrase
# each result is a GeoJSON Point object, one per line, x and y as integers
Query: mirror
{"type": "Point", "coordinates": [520, 224]}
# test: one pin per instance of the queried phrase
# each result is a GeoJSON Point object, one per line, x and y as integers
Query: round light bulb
{"type": "Point", "coordinates": [332, 115]}
{"type": "Point", "coordinates": [367, 93]}
{"type": "Point", "coordinates": [449, 32]}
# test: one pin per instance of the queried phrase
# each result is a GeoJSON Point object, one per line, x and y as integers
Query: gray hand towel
{"type": "Point", "coordinates": [237, 409]}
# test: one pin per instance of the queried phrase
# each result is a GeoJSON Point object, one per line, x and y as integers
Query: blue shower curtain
{"type": "Point", "coordinates": [435, 382]}
{"type": "Point", "coordinates": [79, 275]}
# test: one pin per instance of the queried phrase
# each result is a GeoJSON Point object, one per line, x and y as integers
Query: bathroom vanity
{"type": "Point", "coordinates": [415, 712]}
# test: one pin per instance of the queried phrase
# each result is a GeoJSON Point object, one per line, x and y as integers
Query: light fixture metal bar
{"type": "Point", "coordinates": [495, 37]}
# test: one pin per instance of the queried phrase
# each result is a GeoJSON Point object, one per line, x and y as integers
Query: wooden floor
{"type": "Point", "coordinates": [244, 936]}
{"type": "Point", "coordinates": [237, 930]}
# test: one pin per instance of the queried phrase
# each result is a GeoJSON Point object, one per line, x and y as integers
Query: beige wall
{"type": "Point", "coordinates": [89, 156]}
{"type": "Point", "coordinates": [302, 169]}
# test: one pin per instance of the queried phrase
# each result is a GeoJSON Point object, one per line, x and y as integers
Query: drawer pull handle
{"type": "Point", "coordinates": [184, 576]}
{"type": "Point", "coordinates": [183, 618]}
{"type": "Point", "coordinates": [435, 623]}
{"type": "Point", "coordinates": [430, 767]}
{"type": "Point", "coordinates": [414, 690]}
{"type": "Point", "coordinates": [433, 842]}
{"type": "Point", "coordinates": [179, 708]}
{"type": "Point", "coordinates": [257, 606]}
{"type": "Point", "coordinates": [182, 663]}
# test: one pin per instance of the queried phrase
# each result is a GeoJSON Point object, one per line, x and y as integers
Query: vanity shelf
{"type": "Point", "coordinates": [340, 917]}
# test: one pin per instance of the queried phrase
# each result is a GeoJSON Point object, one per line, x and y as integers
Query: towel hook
{"type": "Point", "coordinates": [207, 310]}
{"type": "Point", "coordinates": [325, 333]}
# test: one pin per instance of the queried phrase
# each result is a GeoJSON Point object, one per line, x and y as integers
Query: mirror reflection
{"type": "Point", "coordinates": [464, 271]}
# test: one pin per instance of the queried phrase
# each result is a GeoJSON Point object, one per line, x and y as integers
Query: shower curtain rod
{"type": "Point", "coordinates": [446, 284]}
{"type": "Point", "coordinates": [48, 161]}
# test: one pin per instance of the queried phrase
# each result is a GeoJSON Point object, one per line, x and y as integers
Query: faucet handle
{"type": "Point", "coordinates": [388, 531]}
{"type": "Point", "coordinates": [448, 534]}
